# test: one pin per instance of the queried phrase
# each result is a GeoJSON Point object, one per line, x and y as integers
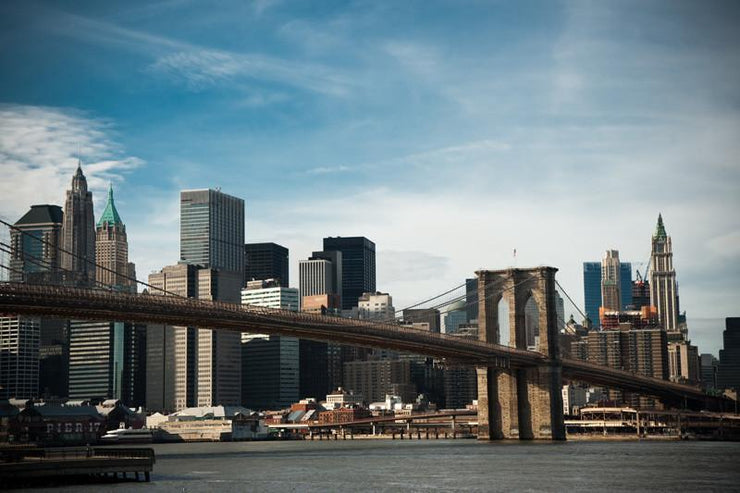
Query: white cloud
{"type": "Point", "coordinates": [325, 170]}
{"type": "Point", "coordinates": [199, 67]}
{"type": "Point", "coordinates": [39, 149]}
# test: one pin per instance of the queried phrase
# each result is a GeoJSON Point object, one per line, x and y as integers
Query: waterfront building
{"type": "Point", "coordinates": [708, 366]}
{"type": "Point", "coordinates": [728, 373]}
{"type": "Point", "coordinates": [266, 261]}
{"type": "Point", "coordinates": [210, 423]}
{"type": "Point", "coordinates": [270, 363]}
{"type": "Point", "coordinates": [342, 398]}
{"type": "Point", "coordinates": [78, 233]}
{"type": "Point", "coordinates": [111, 249]}
{"type": "Point", "coordinates": [19, 357]}
{"type": "Point", "coordinates": [592, 288]}
{"type": "Point", "coordinates": [358, 267]}
{"type": "Point", "coordinates": [662, 276]}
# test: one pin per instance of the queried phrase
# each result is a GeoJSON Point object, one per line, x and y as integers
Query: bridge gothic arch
{"type": "Point", "coordinates": [524, 403]}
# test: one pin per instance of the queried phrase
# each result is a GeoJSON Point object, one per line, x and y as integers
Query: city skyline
{"type": "Point", "coordinates": [420, 116]}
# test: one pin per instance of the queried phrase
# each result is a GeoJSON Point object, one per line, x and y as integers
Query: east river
{"type": "Point", "coordinates": [441, 465]}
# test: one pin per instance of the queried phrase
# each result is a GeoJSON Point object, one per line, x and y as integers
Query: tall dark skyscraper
{"type": "Point", "coordinates": [34, 243]}
{"type": "Point", "coordinates": [78, 232]}
{"type": "Point", "coordinates": [33, 352]}
{"type": "Point", "coordinates": [728, 373]}
{"type": "Point", "coordinates": [358, 266]}
{"type": "Point", "coordinates": [266, 261]}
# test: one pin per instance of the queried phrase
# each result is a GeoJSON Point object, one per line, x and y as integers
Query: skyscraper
{"type": "Point", "coordinates": [663, 290]}
{"type": "Point", "coordinates": [728, 373]}
{"type": "Point", "coordinates": [212, 230]}
{"type": "Point", "coordinates": [78, 233]}
{"type": "Point", "coordinates": [105, 361]}
{"type": "Point", "coordinates": [212, 237]}
{"type": "Point", "coordinates": [270, 363]}
{"type": "Point", "coordinates": [358, 267]}
{"type": "Point", "coordinates": [33, 352]}
{"type": "Point", "coordinates": [34, 245]}
{"type": "Point", "coordinates": [320, 286]}
{"type": "Point", "coordinates": [266, 261]}
{"type": "Point", "coordinates": [19, 357]}
{"type": "Point", "coordinates": [592, 288]}
{"type": "Point", "coordinates": [611, 298]}
{"type": "Point", "coordinates": [318, 276]}
{"type": "Point", "coordinates": [111, 249]}
{"type": "Point", "coordinates": [105, 357]}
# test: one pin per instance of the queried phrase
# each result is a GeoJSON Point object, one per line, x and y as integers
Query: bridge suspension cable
{"type": "Point", "coordinates": [83, 258]}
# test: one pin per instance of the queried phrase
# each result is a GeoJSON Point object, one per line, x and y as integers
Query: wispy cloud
{"type": "Point", "coordinates": [325, 170]}
{"type": "Point", "coordinates": [39, 149]}
{"type": "Point", "coordinates": [198, 67]}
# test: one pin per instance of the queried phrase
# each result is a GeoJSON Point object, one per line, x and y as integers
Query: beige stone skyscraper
{"type": "Point", "coordinates": [663, 290]}
{"type": "Point", "coordinates": [111, 249]}
{"type": "Point", "coordinates": [611, 298]}
{"type": "Point", "coordinates": [78, 233]}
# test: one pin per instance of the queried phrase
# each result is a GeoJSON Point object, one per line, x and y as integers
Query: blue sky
{"type": "Point", "coordinates": [449, 133]}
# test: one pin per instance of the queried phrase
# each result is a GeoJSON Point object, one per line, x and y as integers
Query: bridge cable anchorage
{"type": "Point", "coordinates": [86, 260]}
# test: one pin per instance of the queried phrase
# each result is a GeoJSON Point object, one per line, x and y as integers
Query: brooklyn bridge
{"type": "Point", "coordinates": [519, 390]}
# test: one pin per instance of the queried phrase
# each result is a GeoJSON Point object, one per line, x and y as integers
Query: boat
{"type": "Point", "coordinates": [128, 435]}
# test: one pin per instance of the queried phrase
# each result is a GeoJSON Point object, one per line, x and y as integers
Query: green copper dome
{"type": "Point", "coordinates": [110, 214]}
{"type": "Point", "coordinates": [660, 229]}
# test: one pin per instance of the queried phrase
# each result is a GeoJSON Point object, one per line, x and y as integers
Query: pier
{"type": "Point", "coordinates": [27, 464]}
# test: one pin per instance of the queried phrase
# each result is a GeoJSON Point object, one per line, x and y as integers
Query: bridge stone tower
{"type": "Point", "coordinates": [523, 403]}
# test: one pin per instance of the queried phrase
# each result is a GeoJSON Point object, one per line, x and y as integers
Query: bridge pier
{"type": "Point", "coordinates": [520, 403]}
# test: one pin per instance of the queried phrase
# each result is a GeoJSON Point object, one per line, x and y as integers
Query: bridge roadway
{"type": "Point", "coordinates": [86, 304]}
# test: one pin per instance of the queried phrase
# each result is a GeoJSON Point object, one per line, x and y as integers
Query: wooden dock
{"type": "Point", "coordinates": [24, 464]}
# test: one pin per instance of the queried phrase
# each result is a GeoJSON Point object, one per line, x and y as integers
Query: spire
{"type": "Point", "coordinates": [110, 214]}
{"type": "Point", "coordinates": [660, 229]}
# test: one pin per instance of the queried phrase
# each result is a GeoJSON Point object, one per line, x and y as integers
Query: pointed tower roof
{"type": "Point", "coordinates": [110, 214]}
{"type": "Point", "coordinates": [660, 229]}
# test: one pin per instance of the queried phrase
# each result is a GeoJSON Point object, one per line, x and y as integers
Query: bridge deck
{"type": "Point", "coordinates": [74, 303]}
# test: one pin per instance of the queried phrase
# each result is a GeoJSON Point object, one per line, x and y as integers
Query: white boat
{"type": "Point", "coordinates": [128, 435]}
